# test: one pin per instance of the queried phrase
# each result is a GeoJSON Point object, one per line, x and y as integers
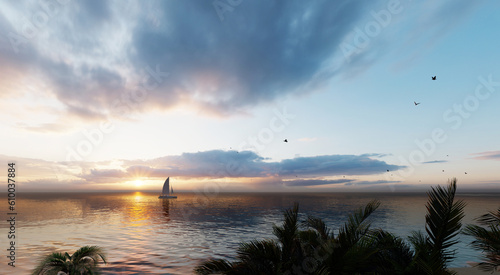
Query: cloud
{"type": "Point", "coordinates": [214, 164]}
{"type": "Point", "coordinates": [104, 175]}
{"type": "Point", "coordinates": [93, 56]}
{"type": "Point", "coordinates": [306, 182]}
{"type": "Point", "coordinates": [490, 155]}
{"type": "Point", "coordinates": [417, 34]}
{"type": "Point", "coordinates": [334, 165]}
{"type": "Point", "coordinates": [102, 59]}
{"type": "Point", "coordinates": [207, 164]}
{"type": "Point", "coordinates": [307, 139]}
{"type": "Point", "coordinates": [493, 182]}
{"type": "Point", "coordinates": [47, 184]}
{"type": "Point", "coordinates": [255, 56]}
{"type": "Point", "coordinates": [43, 127]}
{"type": "Point", "coordinates": [373, 182]}
{"type": "Point", "coordinates": [435, 161]}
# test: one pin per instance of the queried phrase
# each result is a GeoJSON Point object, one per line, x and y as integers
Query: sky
{"type": "Point", "coordinates": [118, 95]}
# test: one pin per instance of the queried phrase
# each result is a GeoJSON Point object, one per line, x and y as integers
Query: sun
{"type": "Point", "coordinates": [138, 182]}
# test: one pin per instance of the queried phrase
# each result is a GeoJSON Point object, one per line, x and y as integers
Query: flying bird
{"type": "Point", "coordinates": [433, 77]}
{"type": "Point", "coordinates": [416, 103]}
{"type": "Point", "coordinates": [286, 140]}
{"type": "Point", "coordinates": [466, 173]}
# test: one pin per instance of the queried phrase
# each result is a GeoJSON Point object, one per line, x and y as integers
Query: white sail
{"type": "Point", "coordinates": [167, 190]}
{"type": "Point", "coordinates": [166, 187]}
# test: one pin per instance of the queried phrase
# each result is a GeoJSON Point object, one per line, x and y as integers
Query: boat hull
{"type": "Point", "coordinates": [167, 197]}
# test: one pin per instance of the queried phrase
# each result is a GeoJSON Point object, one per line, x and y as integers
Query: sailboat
{"type": "Point", "coordinates": [167, 191]}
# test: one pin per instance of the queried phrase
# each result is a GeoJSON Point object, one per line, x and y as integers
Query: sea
{"type": "Point", "coordinates": [142, 234]}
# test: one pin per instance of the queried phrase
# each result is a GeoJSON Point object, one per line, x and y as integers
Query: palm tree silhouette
{"type": "Point", "coordinates": [294, 249]}
{"type": "Point", "coordinates": [487, 240]}
{"type": "Point", "coordinates": [356, 249]}
{"type": "Point", "coordinates": [84, 261]}
{"type": "Point", "coordinates": [262, 257]}
{"type": "Point", "coordinates": [443, 222]}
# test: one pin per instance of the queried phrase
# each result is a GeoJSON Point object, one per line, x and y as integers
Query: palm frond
{"type": "Point", "coordinates": [288, 230]}
{"type": "Point", "coordinates": [95, 254]}
{"type": "Point", "coordinates": [351, 249]}
{"type": "Point", "coordinates": [443, 219]}
{"type": "Point", "coordinates": [488, 242]}
{"type": "Point", "coordinates": [320, 226]}
{"type": "Point", "coordinates": [83, 261]}
{"type": "Point", "coordinates": [265, 253]}
{"type": "Point", "coordinates": [53, 262]}
{"type": "Point", "coordinates": [393, 255]}
{"type": "Point", "coordinates": [490, 218]}
{"type": "Point", "coordinates": [214, 266]}
{"type": "Point", "coordinates": [287, 233]}
{"type": "Point", "coordinates": [356, 225]}
{"type": "Point", "coordinates": [354, 259]}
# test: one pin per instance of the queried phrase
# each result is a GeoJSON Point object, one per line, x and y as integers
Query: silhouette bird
{"type": "Point", "coordinates": [387, 170]}
{"type": "Point", "coordinates": [443, 170]}
{"type": "Point", "coordinates": [466, 173]}
{"type": "Point", "coordinates": [416, 103]}
{"type": "Point", "coordinates": [433, 77]}
{"type": "Point", "coordinates": [286, 140]}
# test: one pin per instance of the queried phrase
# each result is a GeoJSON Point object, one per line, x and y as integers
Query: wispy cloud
{"type": "Point", "coordinates": [372, 182]}
{"type": "Point", "coordinates": [307, 139]}
{"type": "Point", "coordinates": [490, 155]}
{"type": "Point", "coordinates": [434, 161]}
{"type": "Point", "coordinates": [313, 182]}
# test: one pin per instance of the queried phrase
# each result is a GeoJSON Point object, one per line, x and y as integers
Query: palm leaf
{"type": "Point", "coordinates": [83, 261]}
{"type": "Point", "coordinates": [52, 264]}
{"type": "Point", "coordinates": [356, 225]}
{"type": "Point", "coordinates": [443, 220]}
{"type": "Point", "coordinates": [490, 218]}
{"type": "Point", "coordinates": [287, 234]}
{"type": "Point", "coordinates": [95, 254]}
{"type": "Point", "coordinates": [488, 242]}
{"type": "Point", "coordinates": [264, 256]}
{"type": "Point", "coordinates": [288, 231]}
{"type": "Point", "coordinates": [394, 256]}
{"type": "Point", "coordinates": [214, 266]}
{"type": "Point", "coordinates": [320, 226]}
{"type": "Point", "coordinates": [350, 251]}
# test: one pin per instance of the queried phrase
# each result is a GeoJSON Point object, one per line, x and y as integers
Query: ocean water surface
{"type": "Point", "coordinates": [142, 234]}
